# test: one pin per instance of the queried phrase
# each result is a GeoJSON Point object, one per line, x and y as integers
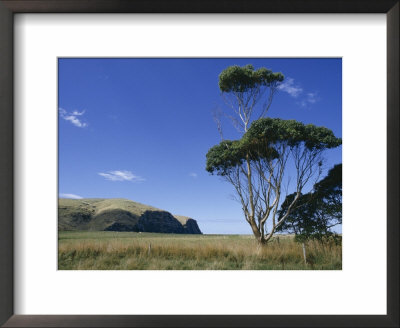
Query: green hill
{"type": "Point", "coordinates": [99, 214]}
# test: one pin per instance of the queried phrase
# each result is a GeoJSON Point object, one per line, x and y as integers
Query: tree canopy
{"type": "Point", "coordinates": [242, 79]}
{"type": "Point", "coordinates": [316, 212]}
{"type": "Point", "coordinates": [262, 139]}
{"type": "Point", "coordinates": [268, 131]}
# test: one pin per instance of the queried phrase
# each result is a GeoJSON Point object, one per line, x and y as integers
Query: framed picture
{"type": "Point", "coordinates": [85, 96]}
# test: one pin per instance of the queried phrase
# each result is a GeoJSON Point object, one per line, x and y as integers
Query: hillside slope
{"type": "Point", "coordinates": [98, 214]}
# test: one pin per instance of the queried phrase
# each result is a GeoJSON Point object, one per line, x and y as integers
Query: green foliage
{"type": "Point", "coordinates": [242, 79]}
{"type": "Point", "coordinates": [225, 155]}
{"type": "Point", "coordinates": [315, 213]}
{"type": "Point", "coordinates": [332, 183]}
{"type": "Point", "coordinates": [274, 130]}
{"type": "Point", "coordinates": [262, 139]}
{"type": "Point", "coordinates": [229, 154]}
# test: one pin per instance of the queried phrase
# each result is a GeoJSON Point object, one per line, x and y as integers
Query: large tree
{"type": "Point", "coordinates": [317, 212]}
{"type": "Point", "coordinates": [259, 165]}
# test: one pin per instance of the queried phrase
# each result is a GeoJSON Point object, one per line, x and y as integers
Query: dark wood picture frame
{"type": "Point", "coordinates": [7, 10]}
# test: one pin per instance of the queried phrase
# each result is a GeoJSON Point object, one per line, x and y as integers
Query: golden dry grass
{"type": "Point", "coordinates": [140, 251]}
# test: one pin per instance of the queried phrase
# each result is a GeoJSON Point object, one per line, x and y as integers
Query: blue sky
{"type": "Point", "coordinates": [140, 129]}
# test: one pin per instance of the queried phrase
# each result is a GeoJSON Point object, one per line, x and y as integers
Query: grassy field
{"type": "Point", "coordinates": [107, 250]}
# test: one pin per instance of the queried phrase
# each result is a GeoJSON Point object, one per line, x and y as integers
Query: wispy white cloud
{"type": "Point", "coordinates": [193, 175]}
{"type": "Point", "coordinates": [311, 98]}
{"type": "Point", "coordinates": [290, 87]}
{"type": "Point", "coordinates": [73, 117]}
{"type": "Point", "coordinates": [296, 91]}
{"type": "Point", "coordinates": [121, 176]}
{"type": "Point", "coordinates": [72, 196]}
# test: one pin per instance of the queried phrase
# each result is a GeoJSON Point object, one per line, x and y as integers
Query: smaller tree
{"type": "Point", "coordinates": [317, 212]}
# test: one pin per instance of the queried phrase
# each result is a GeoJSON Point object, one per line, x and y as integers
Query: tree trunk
{"type": "Point", "coordinates": [256, 232]}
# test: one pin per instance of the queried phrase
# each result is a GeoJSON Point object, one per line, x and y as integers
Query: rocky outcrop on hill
{"type": "Point", "coordinates": [159, 221]}
{"type": "Point", "coordinates": [191, 227]}
{"type": "Point", "coordinates": [120, 215]}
